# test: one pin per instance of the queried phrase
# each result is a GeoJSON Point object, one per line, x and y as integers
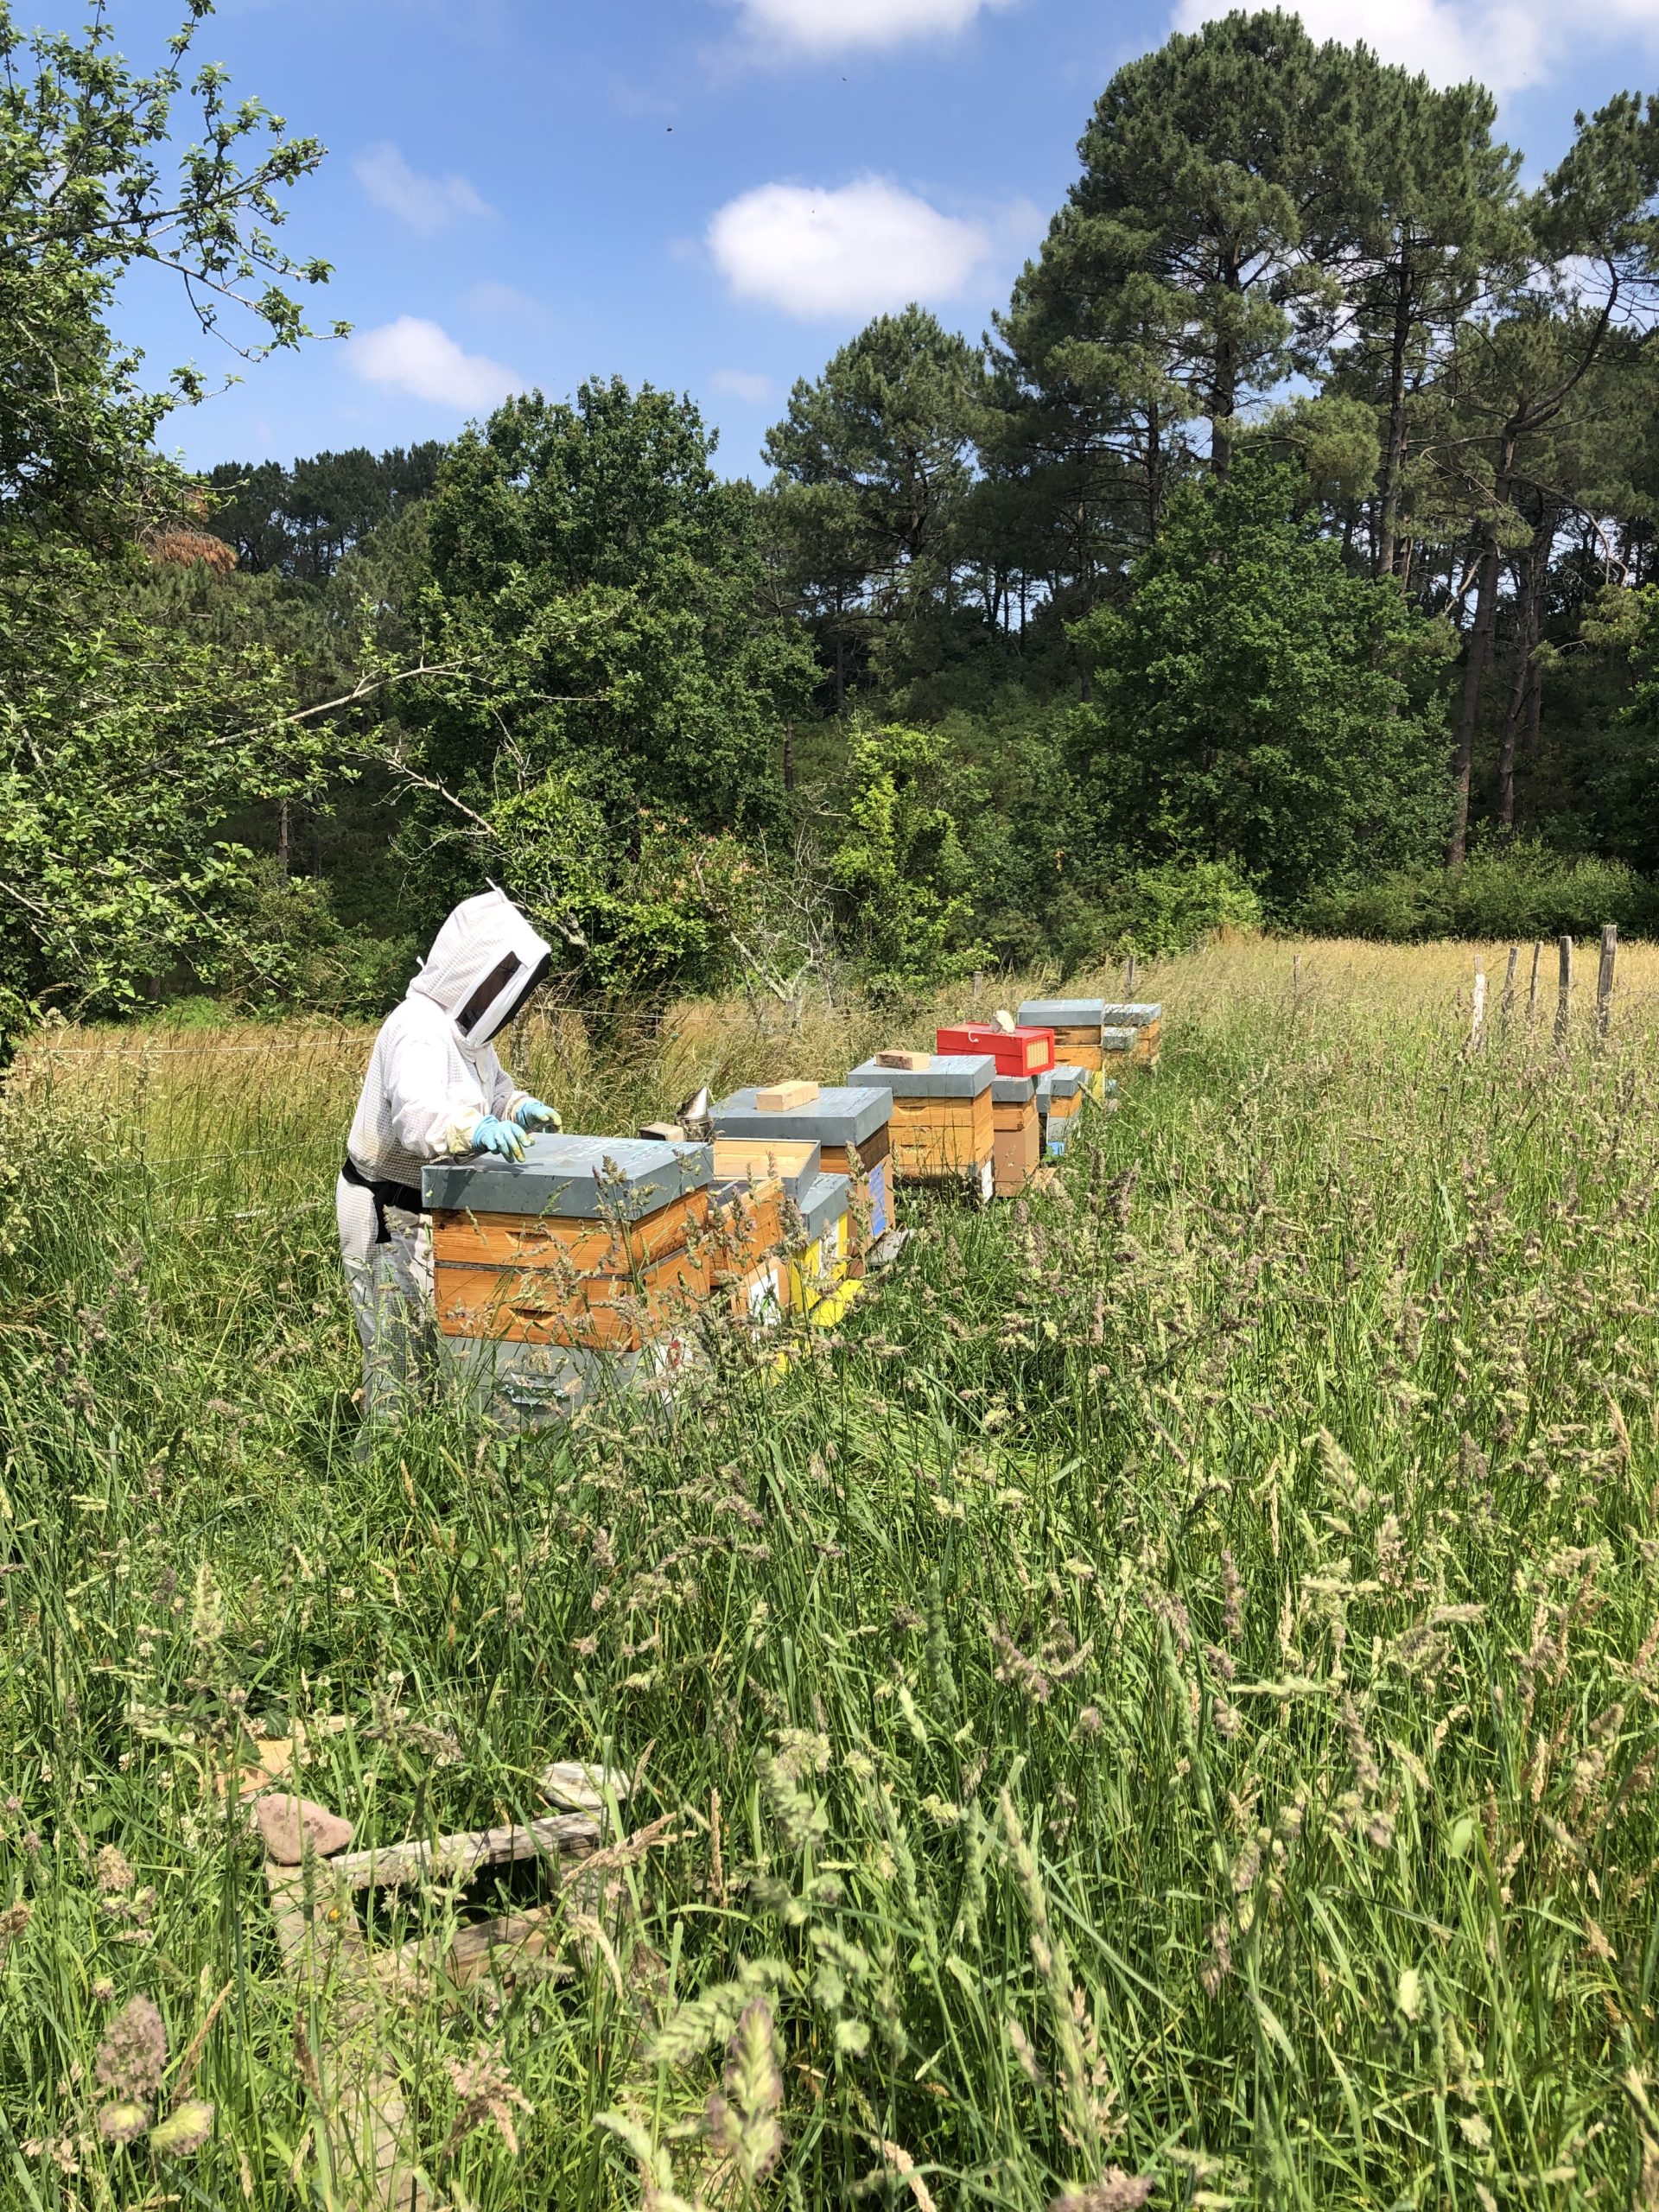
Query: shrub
{"type": "Point", "coordinates": [1526, 891]}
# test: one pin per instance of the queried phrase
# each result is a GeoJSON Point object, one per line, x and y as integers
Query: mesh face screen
{"type": "Point", "coordinates": [488, 992]}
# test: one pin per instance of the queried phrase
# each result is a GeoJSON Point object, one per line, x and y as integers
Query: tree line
{"type": "Point", "coordinates": [1285, 551]}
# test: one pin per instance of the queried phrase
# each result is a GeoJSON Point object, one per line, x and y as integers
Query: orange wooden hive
{"type": "Point", "coordinates": [600, 1244]}
{"type": "Point", "coordinates": [851, 1127]}
{"type": "Point", "coordinates": [944, 1125]}
{"type": "Point", "coordinates": [1018, 1150]}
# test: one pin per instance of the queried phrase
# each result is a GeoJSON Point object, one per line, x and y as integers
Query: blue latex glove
{"type": "Point", "coordinates": [503, 1138]}
{"type": "Point", "coordinates": [530, 1114]}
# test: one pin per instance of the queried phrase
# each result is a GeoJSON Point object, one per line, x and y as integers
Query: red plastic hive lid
{"type": "Point", "coordinates": [1016, 1052]}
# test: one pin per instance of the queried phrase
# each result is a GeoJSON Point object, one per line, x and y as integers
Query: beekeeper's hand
{"type": "Point", "coordinates": [530, 1114]}
{"type": "Point", "coordinates": [503, 1138]}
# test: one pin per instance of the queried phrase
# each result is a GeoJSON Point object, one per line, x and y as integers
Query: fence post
{"type": "Point", "coordinates": [1605, 980]}
{"type": "Point", "coordinates": [979, 983]}
{"type": "Point", "coordinates": [1532, 996]}
{"type": "Point", "coordinates": [1477, 1007]}
{"type": "Point", "coordinates": [1129, 975]}
{"type": "Point", "coordinates": [1564, 992]}
{"type": "Point", "coordinates": [1506, 1004]}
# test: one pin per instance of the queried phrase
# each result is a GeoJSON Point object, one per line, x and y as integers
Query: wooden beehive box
{"type": "Point", "coordinates": [1146, 1019]}
{"type": "Point", "coordinates": [1059, 1102]}
{"type": "Point", "coordinates": [943, 1125]}
{"type": "Point", "coordinates": [1018, 1147]}
{"type": "Point", "coordinates": [598, 1243]}
{"type": "Point", "coordinates": [851, 1124]}
{"type": "Point", "coordinates": [1077, 1024]}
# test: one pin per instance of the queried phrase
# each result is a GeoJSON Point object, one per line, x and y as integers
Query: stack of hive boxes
{"type": "Point", "coordinates": [1022, 1057]}
{"type": "Point", "coordinates": [1059, 1101]}
{"type": "Point", "coordinates": [851, 1126]}
{"type": "Point", "coordinates": [800, 1126]}
{"type": "Point", "coordinates": [1082, 1038]}
{"type": "Point", "coordinates": [944, 1128]}
{"type": "Point", "coordinates": [578, 1267]}
{"type": "Point", "coordinates": [1145, 1023]}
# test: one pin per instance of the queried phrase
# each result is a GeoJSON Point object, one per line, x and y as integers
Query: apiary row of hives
{"type": "Point", "coordinates": [599, 1262]}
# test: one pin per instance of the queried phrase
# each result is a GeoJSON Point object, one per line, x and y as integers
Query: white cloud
{"type": "Point", "coordinates": [831, 26]}
{"type": "Point", "coordinates": [425, 203]}
{"type": "Point", "coordinates": [1508, 44]}
{"type": "Point", "coordinates": [420, 358]}
{"type": "Point", "coordinates": [855, 251]}
{"type": "Point", "coordinates": [743, 383]}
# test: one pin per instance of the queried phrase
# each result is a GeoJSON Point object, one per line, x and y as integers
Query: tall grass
{"type": "Point", "coordinates": [1161, 1708]}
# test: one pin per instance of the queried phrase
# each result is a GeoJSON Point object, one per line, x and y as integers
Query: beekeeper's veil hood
{"type": "Point", "coordinates": [484, 963]}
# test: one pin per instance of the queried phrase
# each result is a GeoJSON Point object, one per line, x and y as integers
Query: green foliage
{"type": "Point", "coordinates": [1523, 892]}
{"type": "Point", "coordinates": [602, 590]}
{"type": "Point", "coordinates": [1254, 701]}
{"type": "Point", "coordinates": [85, 194]}
{"type": "Point", "coordinates": [874, 463]}
{"type": "Point", "coordinates": [894, 855]}
{"type": "Point", "coordinates": [126, 752]}
{"type": "Point", "coordinates": [646, 906]}
{"type": "Point", "coordinates": [1177, 905]}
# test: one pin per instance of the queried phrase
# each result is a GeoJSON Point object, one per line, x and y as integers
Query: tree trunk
{"type": "Point", "coordinates": [789, 756]}
{"type": "Point", "coordinates": [281, 839]}
{"type": "Point", "coordinates": [1481, 631]}
{"type": "Point", "coordinates": [1530, 600]}
{"type": "Point", "coordinates": [1393, 451]}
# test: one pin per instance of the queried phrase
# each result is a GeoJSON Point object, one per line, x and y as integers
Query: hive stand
{"type": "Point", "coordinates": [313, 1882]}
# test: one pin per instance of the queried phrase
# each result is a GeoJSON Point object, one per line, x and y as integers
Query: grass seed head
{"type": "Point", "coordinates": [132, 2057]}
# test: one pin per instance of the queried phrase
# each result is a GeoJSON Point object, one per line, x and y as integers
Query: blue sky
{"type": "Point", "coordinates": [709, 195]}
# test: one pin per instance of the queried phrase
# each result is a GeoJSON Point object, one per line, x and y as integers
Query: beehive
{"type": "Point", "coordinates": [943, 1123]}
{"type": "Point", "coordinates": [851, 1127]}
{"type": "Point", "coordinates": [1016, 1052]}
{"type": "Point", "coordinates": [1080, 1036]}
{"type": "Point", "coordinates": [595, 1244]}
{"type": "Point", "coordinates": [1059, 1101]}
{"type": "Point", "coordinates": [1018, 1147]}
{"type": "Point", "coordinates": [1147, 1021]}
{"type": "Point", "coordinates": [756, 1183]}
{"type": "Point", "coordinates": [819, 1250]}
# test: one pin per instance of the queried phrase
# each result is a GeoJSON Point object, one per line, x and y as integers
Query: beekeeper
{"type": "Point", "coordinates": [434, 1090]}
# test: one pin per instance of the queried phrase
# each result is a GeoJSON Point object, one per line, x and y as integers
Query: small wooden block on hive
{"type": "Point", "coordinates": [910, 1062]}
{"type": "Point", "coordinates": [785, 1097]}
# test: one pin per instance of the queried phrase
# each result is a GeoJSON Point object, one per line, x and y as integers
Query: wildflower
{"type": "Point", "coordinates": [133, 2054]}
{"type": "Point", "coordinates": [742, 2121]}
{"type": "Point", "coordinates": [1115, 2191]}
{"type": "Point", "coordinates": [115, 1873]}
{"type": "Point", "coordinates": [104, 1989]}
{"type": "Point", "coordinates": [124, 2122]}
{"type": "Point", "coordinates": [183, 2130]}
{"type": "Point", "coordinates": [1088, 1721]}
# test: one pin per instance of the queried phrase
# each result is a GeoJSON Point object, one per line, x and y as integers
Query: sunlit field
{"type": "Point", "coordinates": [1159, 1708]}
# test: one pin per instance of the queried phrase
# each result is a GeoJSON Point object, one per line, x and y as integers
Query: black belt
{"type": "Point", "coordinates": [402, 1195]}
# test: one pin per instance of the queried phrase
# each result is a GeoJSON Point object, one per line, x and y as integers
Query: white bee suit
{"type": "Point", "coordinates": [433, 1077]}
